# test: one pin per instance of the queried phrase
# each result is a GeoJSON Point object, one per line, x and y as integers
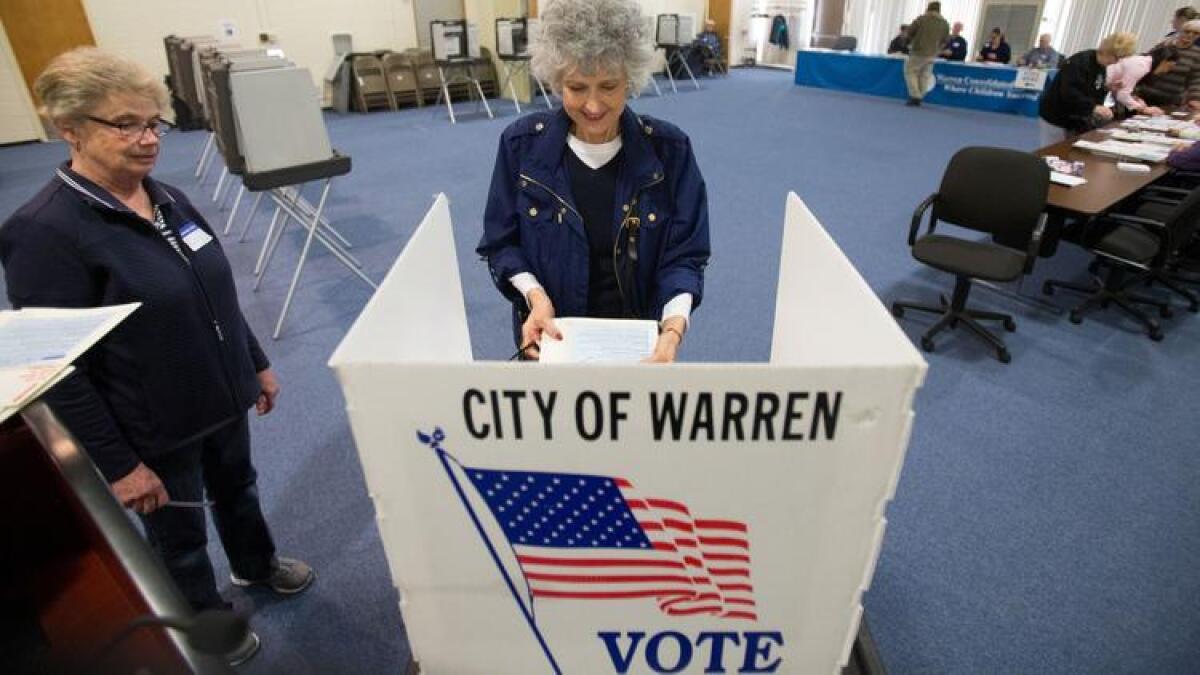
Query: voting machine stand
{"type": "Point", "coordinates": [455, 46]}
{"type": "Point", "coordinates": [674, 34]}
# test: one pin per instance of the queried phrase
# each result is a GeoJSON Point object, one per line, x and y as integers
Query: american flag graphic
{"type": "Point", "coordinates": [587, 537]}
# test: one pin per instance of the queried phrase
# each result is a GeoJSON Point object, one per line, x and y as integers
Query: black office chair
{"type": "Point", "coordinates": [993, 190]}
{"type": "Point", "coordinates": [845, 43]}
{"type": "Point", "coordinates": [1134, 248]}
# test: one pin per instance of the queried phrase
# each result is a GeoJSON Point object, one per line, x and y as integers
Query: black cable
{"type": "Point", "coordinates": [211, 631]}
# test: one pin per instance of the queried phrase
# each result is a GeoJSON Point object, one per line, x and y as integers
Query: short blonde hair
{"type": "Point", "coordinates": [1119, 45]}
{"type": "Point", "coordinates": [78, 81]}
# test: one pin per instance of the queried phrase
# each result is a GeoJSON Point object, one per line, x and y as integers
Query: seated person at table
{"type": "Point", "coordinates": [1185, 157]}
{"type": "Point", "coordinates": [899, 44]}
{"type": "Point", "coordinates": [996, 49]}
{"type": "Point", "coordinates": [1074, 100]}
{"type": "Point", "coordinates": [708, 45]}
{"type": "Point", "coordinates": [1182, 16]}
{"type": "Point", "coordinates": [1180, 86]}
{"type": "Point", "coordinates": [1041, 56]}
{"type": "Point", "coordinates": [955, 48]}
{"type": "Point", "coordinates": [1125, 74]}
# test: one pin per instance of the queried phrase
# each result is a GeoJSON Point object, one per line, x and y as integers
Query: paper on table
{"type": "Point", "coordinates": [1066, 179]}
{"type": "Point", "coordinates": [1142, 151]}
{"type": "Point", "coordinates": [600, 341]}
{"type": "Point", "coordinates": [37, 346]}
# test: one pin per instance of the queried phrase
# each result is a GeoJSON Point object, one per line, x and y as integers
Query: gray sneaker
{"type": "Point", "coordinates": [287, 577]}
{"type": "Point", "coordinates": [244, 651]}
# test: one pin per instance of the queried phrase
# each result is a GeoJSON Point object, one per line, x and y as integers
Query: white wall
{"type": "Point", "coordinates": [303, 27]}
{"type": "Point", "coordinates": [1084, 22]}
{"type": "Point", "coordinates": [18, 121]}
{"type": "Point", "coordinates": [425, 11]}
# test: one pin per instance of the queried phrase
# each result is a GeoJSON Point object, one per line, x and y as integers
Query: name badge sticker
{"type": "Point", "coordinates": [193, 236]}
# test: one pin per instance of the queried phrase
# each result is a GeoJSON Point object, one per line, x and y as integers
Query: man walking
{"type": "Point", "coordinates": [926, 36]}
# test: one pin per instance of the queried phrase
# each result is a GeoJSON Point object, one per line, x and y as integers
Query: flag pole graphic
{"type": "Point", "coordinates": [434, 442]}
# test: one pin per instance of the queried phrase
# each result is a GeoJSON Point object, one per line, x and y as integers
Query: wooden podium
{"type": "Point", "coordinates": [74, 571]}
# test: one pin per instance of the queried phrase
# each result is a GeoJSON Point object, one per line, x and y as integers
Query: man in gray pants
{"type": "Point", "coordinates": [926, 36]}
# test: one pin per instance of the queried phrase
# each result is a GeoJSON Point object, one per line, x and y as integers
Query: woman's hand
{"type": "Point", "coordinates": [540, 322]}
{"type": "Point", "coordinates": [1152, 111]}
{"type": "Point", "coordinates": [141, 490]}
{"type": "Point", "coordinates": [268, 391]}
{"type": "Point", "coordinates": [669, 339]}
{"type": "Point", "coordinates": [1102, 113]}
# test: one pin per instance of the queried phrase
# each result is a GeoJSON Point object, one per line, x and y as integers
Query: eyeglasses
{"type": "Point", "coordinates": [129, 130]}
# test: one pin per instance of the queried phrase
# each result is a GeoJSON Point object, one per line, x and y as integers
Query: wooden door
{"type": "Point", "coordinates": [39, 30]}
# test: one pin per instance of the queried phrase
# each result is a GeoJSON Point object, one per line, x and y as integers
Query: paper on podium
{"type": "Point", "coordinates": [37, 347]}
{"type": "Point", "coordinates": [600, 341]}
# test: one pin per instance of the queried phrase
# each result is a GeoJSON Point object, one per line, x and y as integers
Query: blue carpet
{"type": "Point", "coordinates": [1046, 520]}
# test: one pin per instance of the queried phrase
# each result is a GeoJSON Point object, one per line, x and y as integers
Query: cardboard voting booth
{"type": "Point", "coordinates": [693, 518]}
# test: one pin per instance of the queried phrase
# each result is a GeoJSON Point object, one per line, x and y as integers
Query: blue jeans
{"type": "Point", "coordinates": [219, 465]}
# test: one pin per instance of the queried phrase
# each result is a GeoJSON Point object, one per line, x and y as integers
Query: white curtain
{"type": "Point", "coordinates": [1075, 24]}
{"type": "Point", "coordinates": [874, 22]}
{"type": "Point", "coordinates": [1084, 23]}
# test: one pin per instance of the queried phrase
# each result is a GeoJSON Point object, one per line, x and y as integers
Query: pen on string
{"type": "Point", "coordinates": [202, 504]}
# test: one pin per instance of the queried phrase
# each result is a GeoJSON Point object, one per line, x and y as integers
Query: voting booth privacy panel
{"type": "Point", "coordinates": [694, 518]}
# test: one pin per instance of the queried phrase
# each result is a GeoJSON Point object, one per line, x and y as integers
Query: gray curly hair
{"type": "Point", "coordinates": [591, 35]}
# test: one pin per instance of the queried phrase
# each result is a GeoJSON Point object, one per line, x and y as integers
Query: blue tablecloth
{"type": "Point", "coordinates": [958, 84]}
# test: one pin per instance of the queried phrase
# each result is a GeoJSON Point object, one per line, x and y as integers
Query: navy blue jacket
{"type": "Point", "coordinates": [181, 366]}
{"type": "Point", "coordinates": [531, 223]}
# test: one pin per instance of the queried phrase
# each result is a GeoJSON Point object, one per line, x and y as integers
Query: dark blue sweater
{"type": "Point", "coordinates": [179, 367]}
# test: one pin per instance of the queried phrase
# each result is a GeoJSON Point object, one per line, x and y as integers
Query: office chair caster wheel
{"type": "Point", "coordinates": [927, 344]}
{"type": "Point", "coordinates": [1047, 288]}
{"type": "Point", "coordinates": [1010, 325]}
{"type": "Point", "coordinates": [1156, 334]}
{"type": "Point", "coordinates": [1166, 312]}
{"type": "Point", "coordinates": [897, 311]}
{"type": "Point", "coordinates": [1004, 356]}
{"type": "Point", "coordinates": [1075, 317]}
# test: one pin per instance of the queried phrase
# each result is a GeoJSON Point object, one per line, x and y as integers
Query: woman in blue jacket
{"type": "Point", "coordinates": [594, 210]}
{"type": "Point", "coordinates": [160, 403]}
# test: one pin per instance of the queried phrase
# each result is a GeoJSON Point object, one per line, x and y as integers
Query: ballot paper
{"type": "Point", "coordinates": [600, 341]}
{"type": "Point", "coordinates": [38, 345]}
{"type": "Point", "coordinates": [1140, 151]}
{"type": "Point", "coordinates": [1148, 137]}
{"type": "Point", "coordinates": [1066, 179]}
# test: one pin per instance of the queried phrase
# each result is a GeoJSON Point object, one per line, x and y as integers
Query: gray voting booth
{"type": "Point", "coordinates": [455, 46]}
{"type": "Point", "coordinates": [283, 140]}
{"type": "Point", "coordinates": [674, 34]}
{"type": "Point", "coordinates": [513, 36]}
{"type": "Point", "coordinates": [266, 127]}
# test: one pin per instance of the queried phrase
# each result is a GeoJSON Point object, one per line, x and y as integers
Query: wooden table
{"type": "Point", "coordinates": [1105, 187]}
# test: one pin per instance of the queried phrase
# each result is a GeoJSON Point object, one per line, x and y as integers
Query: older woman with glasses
{"type": "Point", "coordinates": [160, 404]}
{"type": "Point", "coordinates": [595, 211]}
